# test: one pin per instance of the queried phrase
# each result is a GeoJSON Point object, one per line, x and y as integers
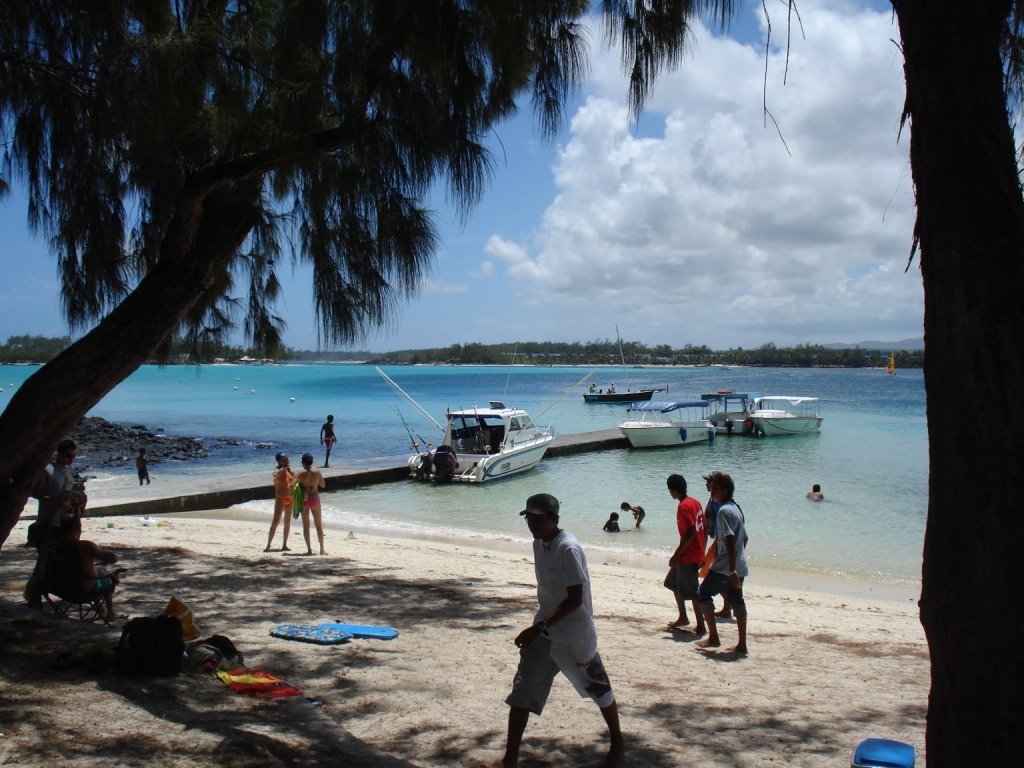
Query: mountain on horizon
{"type": "Point", "coordinates": [909, 345]}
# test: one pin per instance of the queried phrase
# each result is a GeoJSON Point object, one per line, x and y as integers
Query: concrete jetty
{"type": "Point", "coordinates": [220, 491]}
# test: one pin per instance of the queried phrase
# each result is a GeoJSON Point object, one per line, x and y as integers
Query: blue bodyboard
{"type": "Point", "coordinates": [364, 631]}
{"type": "Point", "coordinates": [323, 634]}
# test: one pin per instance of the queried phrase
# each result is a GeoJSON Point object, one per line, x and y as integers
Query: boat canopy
{"type": "Point", "coordinates": [664, 406]}
{"type": "Point", "coordinates": [787, 398]}
{"type": "Point", "coordinates": [727, 395]}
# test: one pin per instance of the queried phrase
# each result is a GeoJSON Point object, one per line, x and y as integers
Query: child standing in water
{"type": "Point", "coordinates": [142, 466]}
{"type": "Point", "coordinates": [638, 512]}
{"type": "Point", "coordinates": [327, 438]}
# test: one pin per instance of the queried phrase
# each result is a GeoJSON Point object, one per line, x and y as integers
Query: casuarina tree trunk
{"type": "Point", "coordinates": [201, 241]}
{"type": "Point", "coordinates": [971, 229]}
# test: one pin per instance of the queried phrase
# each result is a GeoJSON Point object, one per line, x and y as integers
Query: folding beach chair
{"type": "Point", "coordinates": [58, 575]}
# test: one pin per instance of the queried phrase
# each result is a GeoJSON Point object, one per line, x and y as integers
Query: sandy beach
{"type": "Point", "coordinates": [827, 666]}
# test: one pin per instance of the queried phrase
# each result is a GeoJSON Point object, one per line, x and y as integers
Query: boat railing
{"type": "Point", "coordinates": [538, 433]}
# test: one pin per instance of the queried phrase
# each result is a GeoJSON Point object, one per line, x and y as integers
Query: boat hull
{"type": "Point", "coordinates": [666, 435]}
{"type": "Point", "coordinates": [619, 397]}
{"type": "Point", "coordinates": [772, 426]}
{"type": "Point", "coordinates": [476, 468]}
{"type": "Point", "coordinates": [732, 424]}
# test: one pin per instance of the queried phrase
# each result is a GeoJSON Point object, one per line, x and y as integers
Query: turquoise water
{"type": "Point", "coordinates": [870, 457]}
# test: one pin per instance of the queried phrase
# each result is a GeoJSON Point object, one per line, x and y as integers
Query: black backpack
{"type": "Point", "coordinates": [151, 647]}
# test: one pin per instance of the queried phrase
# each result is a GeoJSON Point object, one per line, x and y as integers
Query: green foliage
{"type": "Point", "coordinates": [306, 130]}
{"type": "Point", "coordinates": [605, 353]}
{"type": "Point", "coordinates": [32, 349]}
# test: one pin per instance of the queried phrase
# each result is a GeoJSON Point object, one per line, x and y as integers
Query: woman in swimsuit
{"type": "Point", "coordinates": [284, 478]}
{"type": "Point", "coordinates": [312, 480]}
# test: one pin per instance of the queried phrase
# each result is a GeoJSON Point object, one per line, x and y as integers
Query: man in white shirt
{"type": "Point", "coordinates": [563, 637]}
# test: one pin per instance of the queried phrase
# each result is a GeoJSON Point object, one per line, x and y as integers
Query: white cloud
{"type": "Point", "coordinates": [707, 229]}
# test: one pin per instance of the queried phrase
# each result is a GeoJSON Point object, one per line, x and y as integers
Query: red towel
{"type": "Point", "coordinates": [255, 682]}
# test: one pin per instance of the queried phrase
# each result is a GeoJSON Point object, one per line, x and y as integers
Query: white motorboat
{"type": "Point", "coordinates": [785, 415]}
{"type": "Point", "coordinates": [481, 444]}
{"type": "Point", "coordinates": [664, 423]}
{"type": "Point", "coordinates": [730, 412]}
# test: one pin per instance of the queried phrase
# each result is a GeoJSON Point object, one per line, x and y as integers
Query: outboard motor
{"type": "Point", "coordinates": [445, 464]}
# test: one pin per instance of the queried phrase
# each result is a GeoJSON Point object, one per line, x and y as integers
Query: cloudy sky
{"type": "Point", "coordinates": [699, 225]}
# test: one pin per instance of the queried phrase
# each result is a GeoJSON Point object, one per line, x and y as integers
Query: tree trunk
{"type": "Point", "coordinates": [201, 241]}
{"type": "Point", "coordinates": [971, 229]}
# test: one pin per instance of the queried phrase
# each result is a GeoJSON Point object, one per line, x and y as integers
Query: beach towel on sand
{"type": "Point", "coordinates": [257, 683]}
{"type": "Point", "coordinates": [320, 635]}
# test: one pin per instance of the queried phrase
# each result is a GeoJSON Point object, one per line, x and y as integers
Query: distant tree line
{"type": "Point", "coordinates": [32, 349]}
{"type": "Point", "coordinates": [606, 352]}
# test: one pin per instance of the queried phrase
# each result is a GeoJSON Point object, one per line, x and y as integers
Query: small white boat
{"type": "Point", "coordinates": [785, 415]}
{"type": "Point", "coordinates": [655, 428]}
{"type": "Point", "coordinates": [730, 412]}
{"type": "Point", "coordinates": [481, 444]}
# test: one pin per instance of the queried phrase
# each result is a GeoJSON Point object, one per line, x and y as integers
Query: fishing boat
{"type": "Point", "coordinates": [665, 423]}
{"type": "Point", "coordinates": [785, 415]}
{"type": "Point", "coordinates": [890, 367]}
{"type": "Point", "coordinates": [481, 444]}
{"type": "Point", "coordinates": [477, 444]}
{"type": "Point", "coordinates": [730, 411]}
{"type": "Point", "coordinates": [611, 394]}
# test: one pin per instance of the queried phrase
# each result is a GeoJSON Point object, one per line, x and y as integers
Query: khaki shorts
{"type": "Point", "coordinates": [682, 579]}
{"type": "Point", "coordinates": [540, 663]}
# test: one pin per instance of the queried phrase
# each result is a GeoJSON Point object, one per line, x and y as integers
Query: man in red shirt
{"type": "Point", "coordinates": [685, 562]}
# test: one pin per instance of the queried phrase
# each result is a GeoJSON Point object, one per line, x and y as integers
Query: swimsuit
{"type": "Point", "coordinates": [286, 500]}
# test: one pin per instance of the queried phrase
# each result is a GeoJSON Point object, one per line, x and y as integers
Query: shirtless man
{"type": "Point", "coordinates": [284, 479]}
{"type": "Point", "coordinates": [815, 493]}
{"type": "Point", "coordinates": [328, 439]}
{"type": "Point", "coordinates": [312, 480]}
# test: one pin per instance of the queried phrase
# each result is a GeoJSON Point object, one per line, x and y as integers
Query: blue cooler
{"type": "Point", "coordinates": [882, 753]}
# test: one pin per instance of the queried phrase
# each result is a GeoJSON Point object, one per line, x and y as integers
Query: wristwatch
{"type": "Point", "coordinates": [542, 624]}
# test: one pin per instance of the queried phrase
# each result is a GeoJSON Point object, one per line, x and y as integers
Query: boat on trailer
{"type": "Point", "coordinates": [482, 444]}
{"type": "Point", "coordinates": [667, 423]}
{"type": "Point", "coordinates": [785, 415]}
{"type": "Point", "coordinates": [730, 411]}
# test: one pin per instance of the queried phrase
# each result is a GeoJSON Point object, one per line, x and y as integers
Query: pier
{"type": "Point", "coordinates": [220, 491]}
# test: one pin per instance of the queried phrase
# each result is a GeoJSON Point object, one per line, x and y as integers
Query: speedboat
{"type": "Point", "coordinates": [730, 412]}
{"type": "Point", "coordinates": [664, 423]}
{"type": "Point", "coordinates": [785, 415]}
{"type": "Point", "coordinates": [481, 444]}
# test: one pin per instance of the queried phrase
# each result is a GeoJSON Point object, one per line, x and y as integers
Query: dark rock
{"type": "Point", "coordinates": [103, 444]}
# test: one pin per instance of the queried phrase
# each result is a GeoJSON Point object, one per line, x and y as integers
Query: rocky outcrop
{"type": "Point", "coordinates": [103, 444]}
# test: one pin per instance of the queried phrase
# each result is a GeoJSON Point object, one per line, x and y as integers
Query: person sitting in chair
{"type": "Point", "coordinates": [73, 573]}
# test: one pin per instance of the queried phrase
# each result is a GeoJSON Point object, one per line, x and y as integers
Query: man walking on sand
{"type": "Point", "coordinates": [685, 562]}
{"type": "Point", "coordinates": [563, 637]}
{"type": "Point", "coordinates": [729, 568]}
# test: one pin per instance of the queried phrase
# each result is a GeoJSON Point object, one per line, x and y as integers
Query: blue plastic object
{"type": "Point", "coordinates": [882, 753]}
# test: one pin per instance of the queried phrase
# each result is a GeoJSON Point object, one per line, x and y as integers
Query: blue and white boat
{"type": "Point", "coordinates": [666, 423]}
